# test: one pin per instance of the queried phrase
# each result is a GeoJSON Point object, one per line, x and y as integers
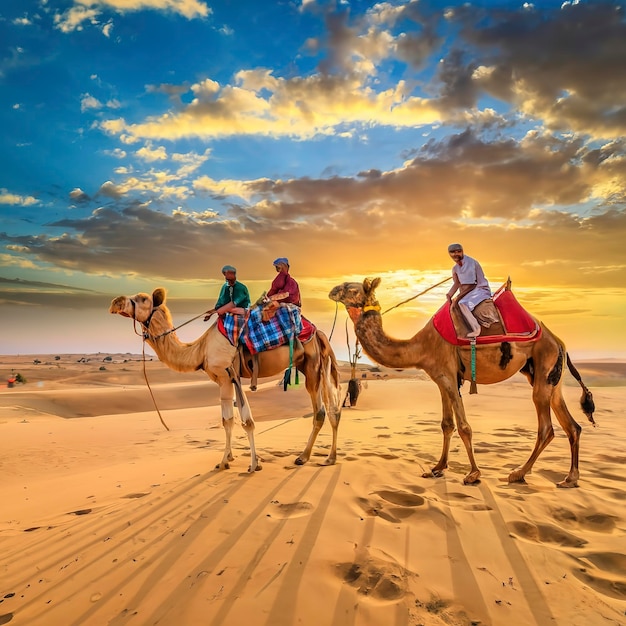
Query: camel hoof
{"type": "Point", "coordinates": [567, 484]}
{"type": "Point", "coordinates": [329, 461]}
{"type": "Point", "coordinates": [433, 474]}
{"type": "Point", "coordinates": [222, 466]}
{"type": "Point", "coordinates": [299, 461]}
{"type": "Point", "coordinates": [517, 477]}
{"type": "Point", "coordinates": [258, 468]}
{"type": "Point", "coordinates": [472, 479]}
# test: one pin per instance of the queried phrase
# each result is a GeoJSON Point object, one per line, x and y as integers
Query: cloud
{"type": "Point", "coordinates": [89, 11]}
{"type": "Point", "coordinates": [79, 196]}
{"type": "Point", "coordinates": [13, 199]}
{"type": "Point", "coordinates": [89, 102]}
{"type": "Point", "coordinates": [569, 77]}
{"type": "Point", "coordinates": [457, 188]}
{"type": "Point", "coordinates": [150, 154]}
{"type": "Point", "coordinates": [264, 105]}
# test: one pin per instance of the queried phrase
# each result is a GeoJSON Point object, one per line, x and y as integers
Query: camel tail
{"type": "Point", "coordinates": [329, 366]}
{"type": "Point", "coordinates": [587, 404]}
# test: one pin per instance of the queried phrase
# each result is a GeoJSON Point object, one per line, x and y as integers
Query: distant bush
{"type": "Point", "coordinates": [102, 368]}
{"type": "Point", "coordinates": [108, 358]}
{"type": "Point", "coordinates": [57, 358]}
{"type": "Point", "coordinates": [19, 378]}
{"type": "Point", "coordinates": [36, 362]}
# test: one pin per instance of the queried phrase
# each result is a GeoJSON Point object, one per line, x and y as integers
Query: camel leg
{"type": "Point", "coordinates": [447, 428]}
{"type": "Point", "coordinates": [319, 415]}
{"type": "Point", "coordinates": [331, 394]}
{"type": "Point", "coordinates": [542, 393]}
{"type": "Point", "coordinates": [465, 432]}
{"type": "Point", "coordinates": [227, 423]}
{"type": "Point", "coordinates": [452, 407]}
{"type": "Point", "coordinates": [572, 430]}
{"type": "Point", "coordinates": [226, 402]}
{"type": "Point", "coordinates": [247, 422]}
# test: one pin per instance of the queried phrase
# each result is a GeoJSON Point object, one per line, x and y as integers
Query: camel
{"type": "Point", "coordinates": [213, 353]}
{"type": "Point", "coordinates": [541, 361]}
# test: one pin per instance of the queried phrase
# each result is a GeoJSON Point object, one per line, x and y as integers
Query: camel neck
{"type": "Point", "coordinates": [390, 352]}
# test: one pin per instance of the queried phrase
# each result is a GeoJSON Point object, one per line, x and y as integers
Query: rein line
{"type": "Point", "coordinates": [421, 293]}
{"type": "Point", "coordinates": [145, 375]}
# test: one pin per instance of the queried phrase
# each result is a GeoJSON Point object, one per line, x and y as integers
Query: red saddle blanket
{"type": "Point", "coordinates": [517, 322]}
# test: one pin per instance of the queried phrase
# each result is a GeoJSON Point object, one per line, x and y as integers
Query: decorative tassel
{"type": "Point", "coordinates": [473, 387]}
{"type": "Point", "coordinates": [287, 379]}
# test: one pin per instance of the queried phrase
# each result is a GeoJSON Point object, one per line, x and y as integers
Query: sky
{"type": "Point", "coordinates": [146, 143]}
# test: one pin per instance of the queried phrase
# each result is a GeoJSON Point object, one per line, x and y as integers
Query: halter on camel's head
{"type": "Point", "coordinates": [358, 298]}
{"type": "Point", "coordinates": [142, 309]}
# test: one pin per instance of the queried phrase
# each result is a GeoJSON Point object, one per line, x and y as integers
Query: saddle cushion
{"type": "Point", "coordinates": [518, 324]}
{"type": "Point", "coordinates": [259, 335]}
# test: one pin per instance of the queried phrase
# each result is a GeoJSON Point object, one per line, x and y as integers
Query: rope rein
{"type": "Point", "coordinates": [421, 293]}
{"type": "Point", "coordinates": [145, 375]}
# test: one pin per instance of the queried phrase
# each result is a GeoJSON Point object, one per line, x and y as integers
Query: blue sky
{"type": "Point", "coordinates": [147, 142]}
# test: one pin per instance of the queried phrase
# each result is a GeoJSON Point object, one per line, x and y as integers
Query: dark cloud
{"type": "Point", "coordinates": [498, 182]}
{"type": "Point", "coordinates": [564, 65]}
{"type": "Point", "coordinates": [18, 284]}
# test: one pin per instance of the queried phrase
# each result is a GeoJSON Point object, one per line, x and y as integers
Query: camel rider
{"type": "Point", "coordinates": [284, 288]}
{"type": "Point", "coordinates": [234, 296]}
{"type": "Point", "coordinates": [469, 279]}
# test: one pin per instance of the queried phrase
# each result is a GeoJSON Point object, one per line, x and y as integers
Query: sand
{"type": "Point", "coordinates": [106, 518]}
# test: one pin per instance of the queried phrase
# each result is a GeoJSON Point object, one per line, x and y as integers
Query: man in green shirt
{"type": "Point", "coordinates": [234, 296]}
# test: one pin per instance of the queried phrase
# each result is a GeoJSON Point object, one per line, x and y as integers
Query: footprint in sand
{"type": "Point", "coordinates": [465, 501]}
{"type": "Point", "coordinates": [285, 510]}
{"type": "Point", "coordinates": [598, 522]}
{"type": "Point", "coordinates": [405, 505]}
{"type": "Point", "coordinates": [606, 586]}
{"type": "Point", "coordinates": [375, 578]}
{"type": "Point", "coordinates": [401, 498]}
{"type": "Point", "coordinates": [546, 533]}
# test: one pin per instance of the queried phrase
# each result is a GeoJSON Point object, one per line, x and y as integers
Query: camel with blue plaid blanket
{"type": "Point", "coordinates": [213, 353]}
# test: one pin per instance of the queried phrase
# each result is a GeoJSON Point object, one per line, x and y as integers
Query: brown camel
{"type": "Point", "coordinates": [214, 354]}
{"type": "Point", "coordinates": [541, 361]}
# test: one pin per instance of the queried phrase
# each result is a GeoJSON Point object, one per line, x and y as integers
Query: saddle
{"type": "Point", "coordinates": [257, 335]}
{"type": "Point", "coordinates": [501, 317]}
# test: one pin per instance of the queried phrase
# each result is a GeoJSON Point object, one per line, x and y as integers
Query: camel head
{"type": "Point", "coordinates": [139, 307]}
{"type": "Point", "coordinates": [356, 295]}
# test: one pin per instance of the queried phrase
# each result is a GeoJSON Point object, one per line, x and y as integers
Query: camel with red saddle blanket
{"type": "Point", "coordinates": [215, 354]}
{"type": "Point", "coordinates": [446, 358]}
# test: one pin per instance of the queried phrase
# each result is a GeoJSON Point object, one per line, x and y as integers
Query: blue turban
{"type": "Point", "coordinates": [228, 268]}
{"type": "Point", "coordinates": [281, 259]}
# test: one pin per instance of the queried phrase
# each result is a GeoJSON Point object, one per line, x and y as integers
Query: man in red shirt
{"type": "Point", "coordinates": [284, 288]}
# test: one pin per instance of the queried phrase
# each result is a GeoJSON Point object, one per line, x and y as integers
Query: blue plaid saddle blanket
{"type": "Point", "coordinates": [258, 335]}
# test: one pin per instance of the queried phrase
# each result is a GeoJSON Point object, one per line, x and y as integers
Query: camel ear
{"type": "Point", "coordinates": [158, 296]}
{"type": "Point", "coordinates": [370, 284]}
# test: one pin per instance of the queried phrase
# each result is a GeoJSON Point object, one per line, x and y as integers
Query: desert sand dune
{"type": "Point", "coordinates": [111, 519]}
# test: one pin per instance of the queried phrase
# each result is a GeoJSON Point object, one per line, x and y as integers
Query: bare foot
{"type": "Point", "coordinates": [473, 334]}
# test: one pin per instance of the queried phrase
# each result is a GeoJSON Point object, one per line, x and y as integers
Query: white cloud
{"type": "Point", "coordinates": [150, 154]}
{"type": "Point", "coordinates": [6, 197]}
{"type": "Point", "coordinates": [89, 102]}
{"type": "Point", "coordinates": [89, 11]}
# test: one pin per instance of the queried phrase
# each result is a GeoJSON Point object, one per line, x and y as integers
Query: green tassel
{"type": "Point", "coordinates": [473, 387]}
